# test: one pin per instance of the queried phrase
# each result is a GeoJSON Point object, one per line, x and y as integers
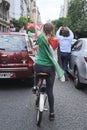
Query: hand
{"type": "Point", "coordinates": [34, 10]}
{"type": "Point", "coordinates": [60, 27]}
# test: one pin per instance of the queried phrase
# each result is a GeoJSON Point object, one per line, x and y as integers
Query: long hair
{"type": "Point", "coordinates": [48, 29]}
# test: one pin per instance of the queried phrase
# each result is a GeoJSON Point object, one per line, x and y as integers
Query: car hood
{"type": "Point", "coordinates": [13, 57]}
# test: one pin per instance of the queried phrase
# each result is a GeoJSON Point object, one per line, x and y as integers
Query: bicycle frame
{"type": "Point", "coordinates": [41, 102]}
{"type": "Point", "coordinates": [41, 96]}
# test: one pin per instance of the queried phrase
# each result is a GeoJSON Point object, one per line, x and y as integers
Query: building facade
{"type": "Point", "coordinates": [14, 11]}
{"type": "Point", "coordinates": [66, 5]}
{"type": "Point", "coordinates": [21, 8]}
{"type": "Point", "coordinates": [61, 14]}
{"type": "Point", "coordinates": [10, 9]}
{"type": "Point", "coordinates": [4, 14]}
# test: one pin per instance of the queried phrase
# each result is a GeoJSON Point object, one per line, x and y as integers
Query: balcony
{"type": "Point", "coordinates": [5, 3]}
{"type": "Point", "coordinates": [3, 17]}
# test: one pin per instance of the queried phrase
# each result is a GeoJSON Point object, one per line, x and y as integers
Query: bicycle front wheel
{"type": "Point", "coordinates": [38, 117]}
{"type": "Point", "coordinates": [40, 109]}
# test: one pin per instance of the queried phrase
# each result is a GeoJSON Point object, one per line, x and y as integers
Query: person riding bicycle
{"type": "Point", "coordinates": [45, 61]}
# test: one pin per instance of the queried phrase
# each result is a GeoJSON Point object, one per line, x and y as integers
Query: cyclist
{"type": "Point", "coordinates": [45, 61]}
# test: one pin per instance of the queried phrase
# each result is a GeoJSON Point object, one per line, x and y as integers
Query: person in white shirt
{"type": "Point", "coordinates": [65, 40]}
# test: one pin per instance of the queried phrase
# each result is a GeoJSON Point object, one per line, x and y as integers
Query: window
{"type": "Point", "coordinates": [77, 45]}
{"type": "Point", "coordinates": [12, 43]}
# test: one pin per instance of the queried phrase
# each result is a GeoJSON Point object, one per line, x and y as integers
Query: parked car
{"type": "Point", "coordinates": [78, 62]}
{"type": "Point", "coordinates": [15, 56]}
{"type": "Point", "coordinates": [73, 41]}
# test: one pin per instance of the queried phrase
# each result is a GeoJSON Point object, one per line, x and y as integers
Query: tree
{"type": "Point", "coordinates": [20, 22]}
{"type": "Point", "coordinates": [77, 16]}
{"type": "Point", "coordinates": [61, 22]}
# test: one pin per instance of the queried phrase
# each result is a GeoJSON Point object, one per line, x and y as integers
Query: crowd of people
{"type": "Point", "coordinates": [12, 28]}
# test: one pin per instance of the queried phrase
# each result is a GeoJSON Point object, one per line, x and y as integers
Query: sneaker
{"type": "Point", "coordinates": [66, 77]}
{"type": "Point", "coordinates": [62, 79]}
{"type": "Point", "coordinates": [51, 116]}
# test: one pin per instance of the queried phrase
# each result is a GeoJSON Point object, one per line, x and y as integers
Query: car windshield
{"type": "Point", "coordinates": [12, 43]}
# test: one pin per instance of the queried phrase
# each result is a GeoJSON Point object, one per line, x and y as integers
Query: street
{"type": "Point", "coordinates": [60, 23]}
{"type": "Point", "coordinates": [17, 109]}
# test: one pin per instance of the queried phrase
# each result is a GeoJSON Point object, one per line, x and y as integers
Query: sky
{"type": "Point", "coordinates": [49, 9]}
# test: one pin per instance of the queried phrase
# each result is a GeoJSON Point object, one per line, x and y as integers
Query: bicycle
{"type": "Point", "coordinates": [41, 96]}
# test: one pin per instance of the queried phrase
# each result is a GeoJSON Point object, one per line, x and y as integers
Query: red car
{"type": "Point", "coordinates": [15, 60]}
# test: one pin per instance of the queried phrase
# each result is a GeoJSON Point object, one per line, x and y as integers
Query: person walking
{"type": "Point", "coordinates": [65, 40]}
{"type": "Point", "coordinates": [45, 61]}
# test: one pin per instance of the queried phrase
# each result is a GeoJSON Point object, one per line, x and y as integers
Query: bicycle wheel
{"type": "Point", "coordinates": [40, 109]}
{"type": "Point", "coordinates": [37, 102]}
{"type": "Point", "coordinates": [39, 117]}
{"type": "Point", "coordinates": [45, 100]}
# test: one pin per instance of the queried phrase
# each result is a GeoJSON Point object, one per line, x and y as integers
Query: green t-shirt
{"type": "Point", "coordinates": [42, 57]}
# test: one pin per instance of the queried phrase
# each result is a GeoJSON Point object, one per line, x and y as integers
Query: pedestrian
{"type": "Point", "coordinates": [65, 37]}
{"type": "Point", "coordinates": [22, 30]}
{"type": "Point", "coordinates": [11, 28]}
{"type": "Point", "coordinates": [45, 61]}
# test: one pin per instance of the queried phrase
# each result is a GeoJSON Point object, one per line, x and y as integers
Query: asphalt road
{"type": "Point", "coordinates": [17, 109]}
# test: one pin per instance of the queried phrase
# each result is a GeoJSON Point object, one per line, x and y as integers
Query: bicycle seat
{"type": "Point", "coordinates": [43, 75]}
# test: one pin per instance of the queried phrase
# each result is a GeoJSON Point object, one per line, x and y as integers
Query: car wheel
{"type": "Point", "coordinates": [76, 79]}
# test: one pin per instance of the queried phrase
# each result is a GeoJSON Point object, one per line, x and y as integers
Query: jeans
{"type": "Point", "coordinates": [65, 58]}
{"type": "Point", "coordinates": [59, 56]}
{"type": "Point", "coordinates": [49, 82]}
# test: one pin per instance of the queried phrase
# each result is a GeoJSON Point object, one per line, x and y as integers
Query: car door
{"type": "Point", "coordinates": [75, 55]}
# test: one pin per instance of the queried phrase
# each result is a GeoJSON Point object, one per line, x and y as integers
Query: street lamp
{"type": "Point", "coordinates": [28, 17]}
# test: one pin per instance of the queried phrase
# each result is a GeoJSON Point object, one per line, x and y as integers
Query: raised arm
{"type": "Point", "coordinates": [58, 32]}
{"type": "Point", "coordinates": [34, 13]}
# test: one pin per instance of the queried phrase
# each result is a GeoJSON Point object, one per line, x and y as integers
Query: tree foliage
{"type": "Point", "coordinates": [20, 22]}
{"type": "Point", "coordinates": [76, 18]}
{"type": "Point", "coordinates": [77, 14]}
{"type": "Point", "coordinates": [61, 22]}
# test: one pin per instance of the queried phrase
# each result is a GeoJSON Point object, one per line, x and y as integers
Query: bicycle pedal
{"type": "Point", "coordinates": [45, 109]}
